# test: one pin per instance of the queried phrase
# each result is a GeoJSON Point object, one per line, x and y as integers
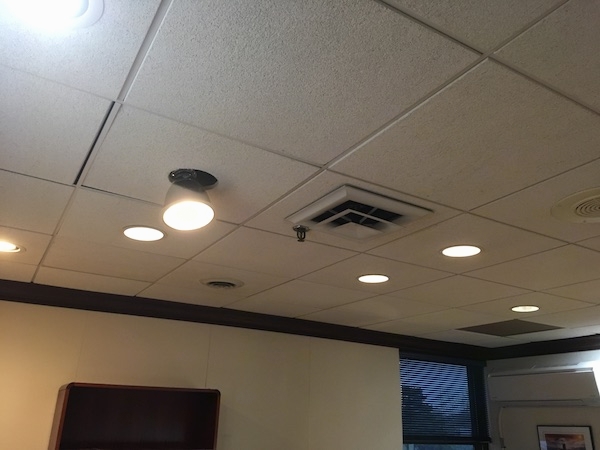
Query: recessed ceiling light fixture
{"type": "Point", "coordinates": [461, 251]}
{"type": "Point", "coordinates": [9, 247]}
{"type": "Point", "coordinates": [57, 14]}
{"type": "Point", "coordinates": [373, 278]}
{"type": "Point", "coordinates": [187, 206]}
{"type": "Point", "coordinates": [146, 234]}
{"type": "Point", "coordinates": [525, 308]}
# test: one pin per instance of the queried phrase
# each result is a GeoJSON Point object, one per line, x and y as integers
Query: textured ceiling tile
{"type": "Point", "coordinates": [33, 245]}
{"type": "Point", "coordinates": [308, 78]}
{"type": "Point", "coordinates": [554, 268]}
{"type": "Point", "coordinates": [481, 23]}
{"type": "Point", "coordinates": [424, 247]}
{"type": "Point", "coordinates": [87, 220]}
{"type": "Point", "coordinates": [100, 259]}
{"type": "Point", "coordinates": [479, 139]}
{"type": "Point", "coordinates": [16, 271]}
{"type": "Point", "coordinates": [95, 59]}
{"type": "Point", "coordinates": [563, 50]}
{"type": "Point", "coordinates": [588, 291]}
{"type": "Point", "coordinates": [457, 291]}
{"type": "Point", "coordinates": [88, 281]}
{"type": "Point", "coordinates": [531, 207]}
{"type": "Point", "coordinates": [31, 204]}
{"type": "Point", "coordinates": [46, 129]}
{"type": "Point", "coordinates": [141, 149]}
{"type": "Point", "coordinates": [593, 243]}
{"type": "Point", "coordinates": [576, 318]}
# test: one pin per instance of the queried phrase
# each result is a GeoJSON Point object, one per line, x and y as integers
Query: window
{"type": "Point", "coordinates": [443, 405]}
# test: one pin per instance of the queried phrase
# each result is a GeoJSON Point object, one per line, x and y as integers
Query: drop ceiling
{"type": "Point", "coordinates": [486, 113]}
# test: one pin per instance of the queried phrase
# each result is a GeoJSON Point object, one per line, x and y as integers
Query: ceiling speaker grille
{"type": "Point", "coordinates": [357, 214]}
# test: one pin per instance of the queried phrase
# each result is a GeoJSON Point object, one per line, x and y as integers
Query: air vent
{"type": "Point", "coordinates": [358, 214]}
{"type": "Point", "coordinates": [581, 207]}
{"type": "Point", "coordinates": [223, 283]}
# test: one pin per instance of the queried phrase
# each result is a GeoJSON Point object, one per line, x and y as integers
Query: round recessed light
{"type": "Point", "coordinates": [525, 308]}
{"type": "Point", "coordinates": [373, 278]}
{"type": "Point", "coordinates": [461, 251]}
{"type": "Point", "coordinates": [57, 14]}
{"type": "Point", "coordinates": [146, 234]}
{"type": "Point", "coordinates": [9, 247]}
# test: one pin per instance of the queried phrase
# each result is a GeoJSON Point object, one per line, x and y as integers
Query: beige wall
{"type": "Point", "coordinates": [278, 391]}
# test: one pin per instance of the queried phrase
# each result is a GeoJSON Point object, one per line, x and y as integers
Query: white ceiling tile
{"type": "Point", "coordinates": [346, 273]}
{"type": "Point", "coordinates": [95, 58]}
{"type": "Point", "coordinates": [298, 298]}
{"type": "Point", "coordinates": [457, 291]}
{"type": "Point", "coordinates": [87, 220]}
{"type": "Point", "coordinates": [271, 253]}
{"type": "Point", "coordinates": [308, 78]}
{"type": "Point", "coordinates": [88, 281]}
{"type": "Point", "coordinates": [181, 294]}
{"type": "Point", "coordinates": [16, 271]}
{"type": "Point", "coordinates": [593, 243]}
{"type": "Point", "coordinates": [498, 243]}
{"type": "Point", "coordinates": [481, 23]}
{"type": "Point", "coordinates": [582, 317]}
{"type": "Point", "coordinates": [547, 303]}
{"type": "Point", "coordinates": [193, 274]}
{"type": "Point", "coordinates": [565, 265]}
{"type": "Point", "coordinates": [31, 204]}
{"type": "Point", "coordinates": [372, 310]}
{"type": "Point", "coordinates": [88, 257]}
{"type": "Point", "coordinates": [563, 50]}
{"type": "Point", "coordinates": [273, 218]}
{"type": "Point", "coordinates": [46, 129]}
{"type": "Point", "coordinates": [588, 291]}
{"type": "Point", "coordinates": [249, 178]}
{"type": "Point", "coordinates": [467, 337]}
{"type": "Point", "coordinates": [531, 207]}
{"type": "Point", "coordinates": [33, 245]}
{"type": "Point", "coordinates": [480, 138]}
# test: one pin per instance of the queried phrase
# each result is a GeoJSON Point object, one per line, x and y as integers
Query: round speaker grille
{"type": "Point", "coordinates": [581, 207]}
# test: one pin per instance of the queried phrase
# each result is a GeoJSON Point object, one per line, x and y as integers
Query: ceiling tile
{"type": "Point", "coordinates": [46, 129]}
{"type": "Point", "coordinates": [186, 295]}
{"type": "Point", "coordinates": [346, 273]}
{"type": "Point", "coordinates": [273, 218]}
{"type": "Point", "coordinates": [576, 318]}
{"type": "Point", "coordinates": [372, 310]}
{"type": "Point", "coordinates": [457, 291]}
{"type": "Point", "coordinates": [481, 23]}
{"type": "Point", "coordinates": [466, 337]}
{"type": "Point", "coordinates": [271, 253]}
{"type": "Point", "coordinates": [551, 335]}
{"type": "Point", "coordinates": [298, 298]}
{"type": "Point", "coordinates": [547, 304]}
{"type": "Point", "coordinates": [33, 245]}
{"type": "Point", "coordinates": [498, 243]}
{"type": "Point", "coordinates": [95, 59]}
{"type": "Point", "coordinates": [307, 78]}
{"type": "Point", "coordinates": [31, 204]}
{"type": "Point", "coordinates": [565, 265]}
{"type": "Point", "coordinates": [15, 271]}
{"type": "Point", "coordinates": [249, 178]}
{"type": "Point", "coordinates": [588, 291]}
{"type": "Point", "coordinates": [88, 281]}
{"type": "Point", "coordinates": [99, 259]}
{"type": "Point", "coordinates": [480, 138]}
{"type": "Point", "coordinates": [562, 50]}
{"type": "Point", "coordinates": [531, 207]}
{"type": "Point", "coordinates": [593, 243]}
{"type": "Point", "coordinates": [87, 220]}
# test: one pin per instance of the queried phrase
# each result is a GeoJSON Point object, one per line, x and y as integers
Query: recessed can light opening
{"type": "Point", "coordinates": [56, 14]}
{"type": "Point", "coordinates": [525, 308]}
{"type": "Point", "coordinates": [461, 251]}
{"type": "Point", "coordinates": [373, 278]}
{"type": "Point", "coordinates": [9, 247]}
{"type": "Point", "coordinates": [146, 234]}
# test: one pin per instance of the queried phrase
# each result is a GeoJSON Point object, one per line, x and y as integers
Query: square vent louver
{"type": "Point", "coordinates": [358, 214]}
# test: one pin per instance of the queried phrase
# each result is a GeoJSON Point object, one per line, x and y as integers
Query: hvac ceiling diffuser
{"type": "Point", "coordinates": [357, 214]}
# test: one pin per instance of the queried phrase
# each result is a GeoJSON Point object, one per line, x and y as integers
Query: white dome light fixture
{"type": "Point", "coordinates": [373, 278]}
{"type": "Point", "coordinates": [187, 206]}
{"type": "Point", "coordinates": [461, 251]}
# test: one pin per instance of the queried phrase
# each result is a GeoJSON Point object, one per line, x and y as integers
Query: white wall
{"type": "Point", "coordinates": [278, 391]}
{"type": "Point", "coordinates": [518, 425]}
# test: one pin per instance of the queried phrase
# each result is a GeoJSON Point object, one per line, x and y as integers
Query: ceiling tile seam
{"type": "Point", "coordinates": [147, 42]}
{"type": "Point", "coordinates": [35, 177]}
{"type": "Point", "coordinates": [546, 291]}
{"type": "Point", "coordinates": [91, 273]}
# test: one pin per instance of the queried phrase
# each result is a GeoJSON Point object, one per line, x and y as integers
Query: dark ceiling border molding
{"type": "Point", "coordinates": [146, 307]}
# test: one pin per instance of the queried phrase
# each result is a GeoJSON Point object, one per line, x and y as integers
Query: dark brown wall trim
{"type": "Point", "coordinates": [119, 304]}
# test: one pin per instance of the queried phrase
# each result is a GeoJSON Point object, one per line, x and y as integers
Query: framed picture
{"type": "Point", "coordinates": [565, 438]}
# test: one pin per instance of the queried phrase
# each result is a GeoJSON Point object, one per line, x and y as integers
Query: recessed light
{"type": "Point", "coordinates": [146, 234]}
{"type": "Point", "coordinates": [525, 308]}
{"type": "Point", "coordinates": [57, 14]}
{"type": "Point", "coordinates": [9, 247]}
{"type": "Point", "coordinates": [461, 251]}
{"type": "Point", "coordinates": [373, 278]}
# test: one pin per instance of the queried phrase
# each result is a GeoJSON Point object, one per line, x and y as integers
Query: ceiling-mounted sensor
{"type": "Point", "coordinates": [581, 207]}
{"type": "Point", "coordinates": [354, 213]}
